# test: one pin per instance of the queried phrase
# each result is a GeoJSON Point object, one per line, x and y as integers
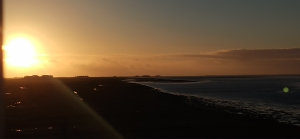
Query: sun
{"type": "Point", "coordinates": [20, 52]}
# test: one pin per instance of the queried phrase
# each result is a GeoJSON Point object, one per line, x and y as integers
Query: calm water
{"type": "Point", "coordinates": [260, 96]}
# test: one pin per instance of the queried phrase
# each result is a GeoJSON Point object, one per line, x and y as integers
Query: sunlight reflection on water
{"type": "Point", "coordinates": [13, 106]}
{"type": "Point", "coordinates": [23, 88]}
{"type": "Point", "coordinates": [77, 95]}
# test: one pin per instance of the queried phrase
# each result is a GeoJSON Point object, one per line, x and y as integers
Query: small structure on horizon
{"type": "Point", "coordinates": [84, 76]}
{"type": "Point", "coordinates": [146, 76]}
{"type": "Point", "coordinates": [38, 77]}
{"type": "Point", "coordinates": [31, 77]}
{"type": "Point", "coordinates": [47, 76]}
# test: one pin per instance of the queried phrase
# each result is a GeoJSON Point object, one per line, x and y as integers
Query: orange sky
{"type": "Point", "coordinates": [126, 38]}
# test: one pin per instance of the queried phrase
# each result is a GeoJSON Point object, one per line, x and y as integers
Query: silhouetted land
{"type": "Point", "coordinates": [159, 79]}
{"type": "Point", "coordinates": [135, 111]}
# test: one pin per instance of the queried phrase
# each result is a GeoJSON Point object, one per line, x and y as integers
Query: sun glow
{"type": "Point", "coordinates": [20, 52]}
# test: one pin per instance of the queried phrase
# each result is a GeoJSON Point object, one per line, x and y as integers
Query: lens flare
{"type": "Point", "coordinates": [285, 89]}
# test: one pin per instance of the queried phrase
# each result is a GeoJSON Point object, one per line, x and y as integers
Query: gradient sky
{"type": "Point", "coordinates": [165, 37]}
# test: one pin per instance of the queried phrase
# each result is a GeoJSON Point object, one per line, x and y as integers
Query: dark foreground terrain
{"type": "Point", "coordinates": [70, 108]}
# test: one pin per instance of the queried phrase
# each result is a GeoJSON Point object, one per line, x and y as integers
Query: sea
{"type": "Point", "coordinates": [275, 97]}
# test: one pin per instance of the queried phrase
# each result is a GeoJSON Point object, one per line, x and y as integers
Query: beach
{"type": "Point", "coordinates": [132, 110]}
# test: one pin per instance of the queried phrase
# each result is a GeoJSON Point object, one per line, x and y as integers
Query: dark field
{"type": "Point", "coordinates": [50, 108]}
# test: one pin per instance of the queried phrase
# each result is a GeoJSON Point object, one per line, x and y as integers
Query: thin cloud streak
{"type": "Point", "coordinates": [245, 54]}
{"type": "Point", "coordinates": [235, 61]}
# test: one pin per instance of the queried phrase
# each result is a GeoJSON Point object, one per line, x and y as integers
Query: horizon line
{"type": "Point", "coordinates": [141, 76]}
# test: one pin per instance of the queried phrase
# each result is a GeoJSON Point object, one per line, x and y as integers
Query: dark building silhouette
{"type": "Point", "coordinates": [47, 76]}
{"type": "Point", "coordinates": [31, 77]}
{"type": "Point", "coordinates": [36, 77]}
{"type": "Point", "coordinates": [84, 76]}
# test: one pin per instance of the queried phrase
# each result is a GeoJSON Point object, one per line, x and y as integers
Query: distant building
{"type": "Point", "coordinates": [82, 76]}
{"type": "Point", "coordinates": [25, 77]}
{"type": "Point", "coordinates": [36, 77]}
{"type": "Point", "coordinates": [31, 77]}
{"type": "Point", "coordinates": [47, 76]}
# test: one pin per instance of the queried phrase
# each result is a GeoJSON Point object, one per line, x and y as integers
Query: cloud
{"type": "Point", "coordinates": [246, 54]}
{"type": "Point", "coordinates": [262, 54]}
{"type": "Point", "coordinates": [235, 61]}
{"type": "Point", "coordinates": [243, 61]}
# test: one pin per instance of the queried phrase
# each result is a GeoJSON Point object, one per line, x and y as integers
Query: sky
{"type": "Point", "coordinates": [155, 37]}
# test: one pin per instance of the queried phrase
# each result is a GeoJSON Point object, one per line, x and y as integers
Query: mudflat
{"type": "Point", "coordinates": [81, 108]}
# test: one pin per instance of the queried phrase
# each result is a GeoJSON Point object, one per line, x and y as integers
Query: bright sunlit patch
{"type": "Point", "coordinates": [20, 53]}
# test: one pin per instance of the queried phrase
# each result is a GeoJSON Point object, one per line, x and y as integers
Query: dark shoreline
{"type": "Point", "coordinates": [159, 80]}
{"type": "Point", "coordinates": [262, 123]}
{"type": "Point", "coordinates": [138, 111]}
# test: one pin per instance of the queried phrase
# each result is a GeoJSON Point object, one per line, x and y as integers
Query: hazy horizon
{"type": "Point", "coordinates": [158, 76]}
{"type": "Point", "coordinates": [151, 37]}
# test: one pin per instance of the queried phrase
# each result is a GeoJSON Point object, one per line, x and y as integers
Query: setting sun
{"type": "Point", "coordinates": [20, 53]}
